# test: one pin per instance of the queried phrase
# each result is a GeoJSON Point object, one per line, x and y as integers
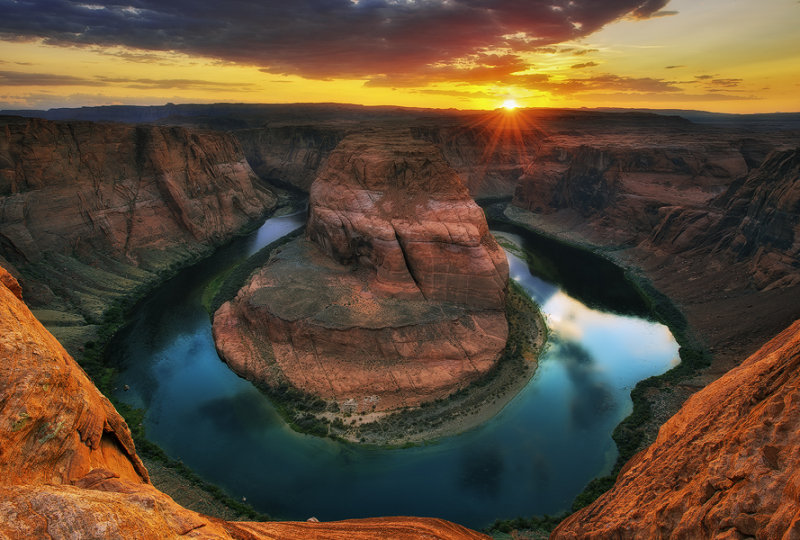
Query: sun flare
{"type": "Point", "coordinates": [510, 104]}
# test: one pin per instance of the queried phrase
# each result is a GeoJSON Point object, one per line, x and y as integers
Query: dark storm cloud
{"type": "Point", "coordinates": [19, 78]}
{"type": "Point", "coordinates": [317, 38]}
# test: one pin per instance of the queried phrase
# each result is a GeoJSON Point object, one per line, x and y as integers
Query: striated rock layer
{"type": "Point", "coordinates": [89, 212]}
{"type": "Point", "coordinates": [69, 469]}
{"type": "Point", "coordinates": [396, 297]}
{"type": "Point", "coordinates": [725, 466]}
{"type": "Point", "coordinates": [713, 233]}
{"type": "Point", "coordinates": [395, 205]}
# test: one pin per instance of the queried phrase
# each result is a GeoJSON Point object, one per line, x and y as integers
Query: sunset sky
{"type": "Point", "coordinates": [716, 55]}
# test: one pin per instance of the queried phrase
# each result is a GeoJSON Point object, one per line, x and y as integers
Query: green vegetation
{"type": "Point", "coordinates": [236, 278]}
{"type": "Point", "coordinates": [539, 525]}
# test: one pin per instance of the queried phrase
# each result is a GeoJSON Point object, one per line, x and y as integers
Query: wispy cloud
{"type": "Point", "coordinates": [584, 65]}
{"type": "Point", "coordinates": [20, 78]}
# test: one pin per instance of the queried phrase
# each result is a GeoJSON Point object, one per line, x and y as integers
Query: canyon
{"type": "Point", "coordinates": [704, 213]}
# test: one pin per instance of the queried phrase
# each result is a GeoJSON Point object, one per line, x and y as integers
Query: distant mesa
{"type": "Point", "coordinates": [394, 297]}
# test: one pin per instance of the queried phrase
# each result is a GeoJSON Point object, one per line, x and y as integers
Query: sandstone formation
{"type": "Point", "coordinates": [289, 154]}
{"type": "Point", "coordinates": [725, 466]}
{"type": "Point", "coordinates": [395, 205]}
{"type": "Point", "coordinates": [617, 190]}
{"type": "Point", "coordinates": [89, 212]}
{"type": "Point", "coordinates": [396, 297]}
{"type": "Point", "coordinates": [69, 469]}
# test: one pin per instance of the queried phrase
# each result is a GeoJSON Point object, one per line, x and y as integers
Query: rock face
{"type": "Point", "coordinates": [619, 190]}
{"type": "Point", "coordinates": [89, 211]}
{"type": "Point", "coordinates": [68, 466]}
{"type": "Point", "coordinates": [289, 154]}
{"type": "Point", "coordinates": [396, 297]}
{"type": "Point", "coordinates": [395, 205]}
{"type": "Point", "coordinates": [725, 466]}
{"type": "Point", "coordinates": [714, 235]}
{"type": "Point", "coordinates": [756, 222]}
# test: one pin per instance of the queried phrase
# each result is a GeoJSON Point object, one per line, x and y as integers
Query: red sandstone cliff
{"type": "Point", "coordinates": [69, 469]}
{"type": "Point", "coordinates": [89, 212]}
{"type": "Point", "coordinates": [397, 296]}
{"type": "Point", "coordinates": [725, 466]}
{"type": "Point", "coordinates": [394, 205]}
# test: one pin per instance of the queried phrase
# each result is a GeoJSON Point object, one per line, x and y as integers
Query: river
{"type": "Point", "coordinates": [532, 458]}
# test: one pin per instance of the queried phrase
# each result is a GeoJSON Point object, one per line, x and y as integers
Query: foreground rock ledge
{"type": "Point", "coordinates": [396, 296]}
{"type": "Point", "coordinates": [69, 469]}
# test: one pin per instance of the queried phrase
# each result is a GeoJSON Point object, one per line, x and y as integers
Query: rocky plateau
{"type": "Point", "coordinates": [396, 295]}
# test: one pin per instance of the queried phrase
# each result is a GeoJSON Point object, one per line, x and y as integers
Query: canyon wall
{"type": "Point", "coordinates": [395, 298]}
{"type": "Point", "coordinates": [90, 212]}
{"type": "Point", "coordinates": [716, 235]}
{"type": "Point", "coordinates": [69, 468]}
{"type": "Point", "coordinates": [289, 155]}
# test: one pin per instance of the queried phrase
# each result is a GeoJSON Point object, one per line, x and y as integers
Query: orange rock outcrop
{"type": "Point", "coordinates": [69, 469]}
{"type": "Point", "coordinates": [395, 298]}
{"type": "Point", "coordinates": [725, 466]}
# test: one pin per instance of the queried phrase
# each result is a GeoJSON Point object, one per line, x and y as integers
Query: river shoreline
{"type": "Point", "coordinates": [654, 399]}
{"type": "Point", "coordinates": [469, 407]}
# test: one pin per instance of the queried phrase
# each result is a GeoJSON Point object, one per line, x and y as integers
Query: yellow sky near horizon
{"type": "Point", "coordinates": [733, 56]}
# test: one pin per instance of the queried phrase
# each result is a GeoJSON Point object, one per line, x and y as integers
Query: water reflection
{"type": "Point", "coordinates": [532, 458]}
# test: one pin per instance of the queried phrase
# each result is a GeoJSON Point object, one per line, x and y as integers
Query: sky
{"type": "Point", "coordinates": [740, 56]}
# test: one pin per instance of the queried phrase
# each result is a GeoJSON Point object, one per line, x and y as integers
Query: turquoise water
{"type": "Point", "coordinates": [532, 458]}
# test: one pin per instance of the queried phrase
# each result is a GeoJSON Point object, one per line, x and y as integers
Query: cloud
{"type": "Point", "coordinates": [674, 67]}
{"type": "Point", "coordinates": [581, 52]}
{"type": "Point", "coordinates": [147, 84]}
{"type": "Point", "coordinates": [481, 69]}
{"type": "Point", "coordinates": [726, 83]}
{"type": "Point", "coordinates": [605, 82]}
{"type": "Point", "coordinates": [19, 78]}
{"type": "Point", "coordinates": [318, 38]}
{"type": "Point", "coordinates": [663, 13]}
{"type": "Point", "coordinates": [584, 65]}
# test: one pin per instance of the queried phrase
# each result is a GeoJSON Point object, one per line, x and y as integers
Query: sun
{"type": "Point", "coordinates": [510, 104]}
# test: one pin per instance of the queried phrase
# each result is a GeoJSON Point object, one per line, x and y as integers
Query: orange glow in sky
{"type": "Point", "coordinates": [715, 55]}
